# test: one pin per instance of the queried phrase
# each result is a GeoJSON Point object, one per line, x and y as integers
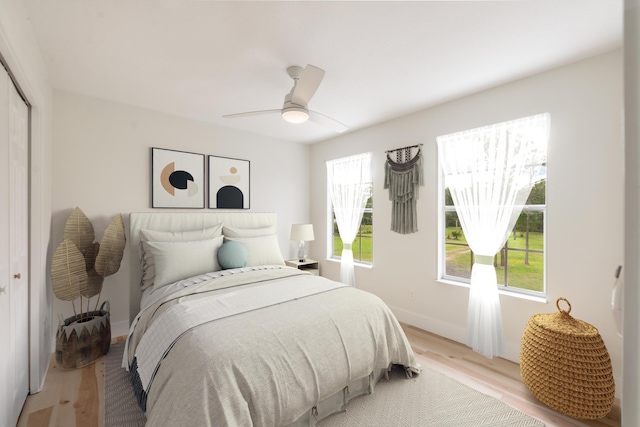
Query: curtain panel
{"type": "Point", "coordinates": [490, 172]}
{"type": "Point", "coordinates": [348, 182]}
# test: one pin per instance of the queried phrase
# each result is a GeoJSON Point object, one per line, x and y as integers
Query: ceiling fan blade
{"type": "Point", "coordinates": [325, 121]}
{"type": "Point", "coordinates": [251, 113]}
{"type": "Point", "coordinates": [307, 85]}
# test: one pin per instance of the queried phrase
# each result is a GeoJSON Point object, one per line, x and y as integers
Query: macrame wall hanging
{"type": "Point", "coordinates": [402, 177]}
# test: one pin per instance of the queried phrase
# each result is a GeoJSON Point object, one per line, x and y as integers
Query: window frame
{"type": "Point", "coordinates": [331, 251]}
{"type": "Point", "coordinates": [330, 236]}
{"type": "Point", "coordinates": [455, 280]}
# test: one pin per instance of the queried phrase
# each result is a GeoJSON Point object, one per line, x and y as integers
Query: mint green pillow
{"type": "Point", "coordinates": [232, 255]}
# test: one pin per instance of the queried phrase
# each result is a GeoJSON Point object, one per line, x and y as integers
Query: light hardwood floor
{"type": "Point", "coordinates": [75, 398]}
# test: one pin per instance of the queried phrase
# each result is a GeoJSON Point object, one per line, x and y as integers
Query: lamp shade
{"type": "Point", "coordinates": [302, 232]}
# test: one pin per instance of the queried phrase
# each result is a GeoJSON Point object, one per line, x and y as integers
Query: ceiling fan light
{"type": "Point", "coordinates": [295, 115]}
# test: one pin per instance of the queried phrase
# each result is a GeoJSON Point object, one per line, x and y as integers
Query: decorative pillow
{"type": "Point", "coordinates": [148, 267]}
{"type": "Point", "coordinates": [232, 255]}
{"type": "Point", "coordinates": [263, 250]}
{"type": "Point", "coordinates": [180, 236]}
{"type": "Point", "coordinates": [248, 232]}
{"type": "Point", "coordinates": [179, 260]}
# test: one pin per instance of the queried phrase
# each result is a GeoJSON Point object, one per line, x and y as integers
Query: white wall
{"type": "Point", "coordinates": [102, 164]}
{"type": "Point", "coordinates": [585, 201]}
{"type": "Point", "coordinates": [19, 47]}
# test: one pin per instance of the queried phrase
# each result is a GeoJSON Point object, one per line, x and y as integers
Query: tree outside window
{"type": "Point", "coordinates": [520, 263]}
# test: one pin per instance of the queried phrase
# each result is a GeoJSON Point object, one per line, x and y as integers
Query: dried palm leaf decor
{"type": "Point", "coordinates": [78, 268]}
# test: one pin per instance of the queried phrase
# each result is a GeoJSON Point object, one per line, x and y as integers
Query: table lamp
{"type": "Point", "coordinates": [302, 233]}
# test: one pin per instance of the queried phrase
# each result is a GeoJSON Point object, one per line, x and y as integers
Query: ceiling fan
{"type": "Point", "coordinates": [294, 110]}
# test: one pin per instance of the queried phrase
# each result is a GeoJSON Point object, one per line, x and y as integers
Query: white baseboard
{"type": "Point", "coordinates": [120, 329]}
{"type": "Point", "coordinates": [447, 330]}
{"type": "Point", "coordinates": [430, 324]}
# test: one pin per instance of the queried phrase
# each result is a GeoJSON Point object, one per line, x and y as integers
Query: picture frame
{"type": "Point", "coordinates": [177, 179]}
{"type": "Point", "coordinates": [229, 183]}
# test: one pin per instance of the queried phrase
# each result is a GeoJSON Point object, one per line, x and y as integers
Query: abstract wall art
{"type": "Point", "coordinates": [177, 179]}
{"type": "Point", "coordinates": [229, 183]}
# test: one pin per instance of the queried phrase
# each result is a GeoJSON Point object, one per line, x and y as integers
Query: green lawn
{"type": "Point", "coordinates": [520, 275]}
{"type": "Point", "coordinates": [458, 263]}
{"type": "Point", "coordinates": [364, 243]}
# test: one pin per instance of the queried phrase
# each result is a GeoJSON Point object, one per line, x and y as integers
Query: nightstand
{"type": "Point", "coordinates": [309, 265]}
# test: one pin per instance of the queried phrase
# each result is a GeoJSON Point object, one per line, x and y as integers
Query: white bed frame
{"type": "Point", "coordinates": [180, 221]}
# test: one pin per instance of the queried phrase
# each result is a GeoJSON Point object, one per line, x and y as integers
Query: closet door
{"type": "Point", "coordinates": [19, 246]}
{"type": "Point", "coordinates": [5, 385]}
{"type": "Point", "coordinates": [14, 258]}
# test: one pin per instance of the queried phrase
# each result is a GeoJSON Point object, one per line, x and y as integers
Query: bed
{"type": "Point", "coordinates": [244, 340]}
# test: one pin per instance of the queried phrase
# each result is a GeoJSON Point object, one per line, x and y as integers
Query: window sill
{"type": "Point", "coordinates": [355, 263]}
{"type": "Point", "coordinates": [535, 298]}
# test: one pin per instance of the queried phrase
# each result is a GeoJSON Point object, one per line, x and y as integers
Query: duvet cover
{"type": "Point", "coordinates": [260, 346]}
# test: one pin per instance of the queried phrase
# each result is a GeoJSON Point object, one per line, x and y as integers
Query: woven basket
{"type": "Point", "coordinates": [80, 343]}
{"type": "Point", "coordinates": [565, 364]}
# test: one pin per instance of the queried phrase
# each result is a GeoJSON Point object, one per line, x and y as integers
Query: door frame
{"type": "Point", "coordinates": [40, 296]}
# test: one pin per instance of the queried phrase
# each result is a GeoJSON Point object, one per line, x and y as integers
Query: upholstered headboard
{"type": "Point", "coordinates": [180, 221]}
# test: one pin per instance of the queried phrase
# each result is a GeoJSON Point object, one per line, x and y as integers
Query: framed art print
{"type": "Point", "coordinates": [229, 183]}
{"type": "Point", "coordinates": [177, 179]}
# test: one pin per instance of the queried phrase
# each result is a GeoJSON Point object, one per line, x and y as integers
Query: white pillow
{"type": "Point", "coordinates": [248, 232]}
{"type": "Point", "coordinates": [178, 260]}
{"type": "Point", "coordinates": [148, 266]}
{"type": "Point", "coordinates": [263, 250]}
{"type": "Point", "coordinates": [180, 236]}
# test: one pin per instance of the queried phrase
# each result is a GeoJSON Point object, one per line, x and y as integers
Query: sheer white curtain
{"type": "Point", "coordinates": [349, 181]}
{"type": "Point", "coordinates": [489, 172]}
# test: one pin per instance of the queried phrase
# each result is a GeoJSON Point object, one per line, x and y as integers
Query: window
{"type": "Point", "coordinates": [350, 211]}
{"type": "Point", "coordinates": [520, 263]}
{"type": "Point", "coordinates": [363, 244]}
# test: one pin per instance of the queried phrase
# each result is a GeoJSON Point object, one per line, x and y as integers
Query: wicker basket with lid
{"type": "Point", "coordinates": [565, 364]}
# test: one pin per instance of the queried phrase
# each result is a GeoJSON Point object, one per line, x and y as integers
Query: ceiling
{"type": "Point", "coordinates": [202, 59]}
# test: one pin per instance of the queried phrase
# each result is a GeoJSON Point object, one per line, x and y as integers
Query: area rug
{"type": "Point", "coordinates": [120, 405]}
{"type": "Point", "coordinates": [430, 399]}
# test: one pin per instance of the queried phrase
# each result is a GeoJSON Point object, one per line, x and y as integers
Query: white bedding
{"type": "Point", "coordinates": [214, 304]}
{"type": "Point", "coordinates": [151, 295]}
{"type": "Point", "coordinates": [260, 346]}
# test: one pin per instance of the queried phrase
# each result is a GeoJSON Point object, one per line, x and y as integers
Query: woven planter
{"type": "Point", "coordinates": [81, 342]}
{"type": "Point", "coordinates": [565, 364]}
